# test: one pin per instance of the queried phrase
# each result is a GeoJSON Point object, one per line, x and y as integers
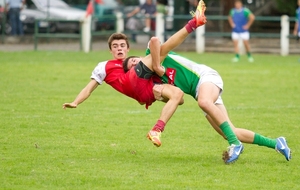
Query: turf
{"type": "Point", "coordinates": [102, 144]}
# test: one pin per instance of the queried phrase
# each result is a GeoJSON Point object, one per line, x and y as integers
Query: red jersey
{"type": "Point", "coordinates": [126, 83]}
{"type": "Point", "coordinates": [142, 88]}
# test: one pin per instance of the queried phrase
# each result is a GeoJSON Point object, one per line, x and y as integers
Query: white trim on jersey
{"type": "Point", "coordinates": [99, 72]}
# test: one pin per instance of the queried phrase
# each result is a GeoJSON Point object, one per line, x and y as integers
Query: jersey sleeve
{"type": "Point", "coordinates": [143, 7]}
{"type": "Point", "coordinates": [147, 52]}
{"type": "Point", "coordinates": [247, 12]}
{"type": "Point", "coordinates": [99, 73]}
{"type": "Point", "coordinates": [231, 12]}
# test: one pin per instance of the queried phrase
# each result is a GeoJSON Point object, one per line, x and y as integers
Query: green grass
{"type": "Point", "coordinates": [102, 144]}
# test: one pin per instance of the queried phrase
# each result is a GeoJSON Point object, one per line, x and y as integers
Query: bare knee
{"type": "Point", "coordinates": [166, 93]}
{"type": "Point", "coordinates": [178, 96]}
{"type": "Point", "coordinates": [204, 104]}
{"type": "Point", "coordinates": [154, 39]}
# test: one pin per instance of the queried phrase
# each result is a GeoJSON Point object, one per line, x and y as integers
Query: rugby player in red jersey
{"type": "Point", "coordinates": [146, 92]}
{"type": "Point", "coordinates": [112, 73]}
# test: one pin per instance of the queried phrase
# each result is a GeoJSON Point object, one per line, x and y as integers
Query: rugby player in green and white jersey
{"type": "Point", "coordinates": [240, 19]}
{"type": "Point", "coordinates": [205, 85]}
{"type": "Point", "coordinates": [296, 31]}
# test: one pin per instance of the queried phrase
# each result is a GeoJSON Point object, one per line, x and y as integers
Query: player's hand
{"type": "Point", "coordinates": [160, 71]}
{"type": "Point", "coordinates": [157, 91]}
{"type": "Point", "coordinates": [69, 105]}
{"type": "Point", "coordinates": [246, 27]}
{"type": "Point", "coordinates": [295, 32]}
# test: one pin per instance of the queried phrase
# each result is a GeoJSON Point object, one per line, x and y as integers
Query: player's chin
{"type": "Point", "coordinates": [121, 56]}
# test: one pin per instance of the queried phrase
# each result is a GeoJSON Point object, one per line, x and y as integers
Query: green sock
{"type": "Point", "coordinates": [249, 54]}
{"type": "Point", "coordinates": [264, 141]}
{"type": "Point", "coordinates": [237, 55]}
{"type": "Point", "coordinates": [231, 137]}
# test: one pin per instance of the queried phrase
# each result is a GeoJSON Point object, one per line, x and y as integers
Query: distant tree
{"type": "Point", "coordinates": [227, 5]}
{"type": "Point", "coordinates": [164, 2]}
{"type": "Point", "coordinates": [130, 2]}
{"type": "Point", "coordinates": [74, 2]}
{"type": "Point", "coordinates": [287, 7]}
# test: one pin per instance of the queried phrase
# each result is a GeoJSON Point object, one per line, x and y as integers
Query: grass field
{"type": "Point", "coordinates": [102, 144]}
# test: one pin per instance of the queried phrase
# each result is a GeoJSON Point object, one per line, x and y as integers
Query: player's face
{"type": "Point", "coordinates": [238, 5]}
{"type": "Point", "coordinates": [119, 49]}
{"type": "Point", "coordinates": [133, 62]}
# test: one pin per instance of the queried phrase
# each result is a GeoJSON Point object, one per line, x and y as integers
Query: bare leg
{"type": "Point", "coordinates": [148, 22]}
{"type": "Point", "coordinates": [175, 96]}
{"type": "Point", "coordinates": [247, 45]}
{"type": "Point", "coordinates": [236, 46]}
{"type": "Point", "coordinates": [208, 94]}
{"type": "Point", "coordinates": [236, 51]}
{"type": "Point", "coordinates": [244, 135]}
{"type": "Point", "coordinates": [175, 40]}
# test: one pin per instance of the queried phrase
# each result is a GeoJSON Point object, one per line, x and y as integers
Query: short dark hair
{"type": "Point", "coordinates": [125, 63]}
{"type": "Point", "coordinates": [117, 36]}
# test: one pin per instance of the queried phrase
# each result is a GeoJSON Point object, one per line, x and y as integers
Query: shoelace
{"type": "Point", "coordinates": [230, 150]}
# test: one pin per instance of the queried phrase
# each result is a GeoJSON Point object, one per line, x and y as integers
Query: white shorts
{"type": "Point", "coordinates": [214, 78]}
{"type": "Point", "coordinates": [243, 36]}
{"type": "Point", "coordinates": [298, 34]}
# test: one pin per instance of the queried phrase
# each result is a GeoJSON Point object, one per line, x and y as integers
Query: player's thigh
{"type": "Point", "coordinates": [208, 91]}
{"type": "Point", "coordinates": [157, 91]}
{"type": "Point", "coordinates": [235, 36]}
{"type": "Point", "coordinates": [170, 91]}
{"type": "Point", "coordinates": [245, 36]}
{"type": "Point", "coordinates": [166, 91]}
{"type": "Point", "coordinates": [210, 87]}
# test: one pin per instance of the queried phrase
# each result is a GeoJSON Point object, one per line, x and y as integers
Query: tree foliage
{"type": "Point", "coordinates": [287, 7]}
{"type": "Point", "coordinates": [130, 2]}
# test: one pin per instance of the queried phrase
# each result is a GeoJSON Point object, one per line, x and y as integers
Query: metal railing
{"type": "Point", "coordinates": [160, 30]}
{"type": "Point", "coordinates": [3, 26]}
{"type": "Point", "coordinates": [37, 34]}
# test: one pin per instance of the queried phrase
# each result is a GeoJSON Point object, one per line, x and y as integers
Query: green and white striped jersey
{"type": "Point", "coordinates": [183, 73]}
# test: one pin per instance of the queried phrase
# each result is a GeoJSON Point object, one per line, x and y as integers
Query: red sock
{"type": "Point", "coordinates": [159, 126]}
{"type": "Point", "coordinates": [191, 25]}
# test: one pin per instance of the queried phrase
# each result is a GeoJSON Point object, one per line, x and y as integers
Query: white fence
{"type": "Point", "coordinates": [200, 32]}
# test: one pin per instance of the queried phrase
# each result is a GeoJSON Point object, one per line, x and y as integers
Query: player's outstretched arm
{"type": "Point", "coordinates": [83, 95]}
